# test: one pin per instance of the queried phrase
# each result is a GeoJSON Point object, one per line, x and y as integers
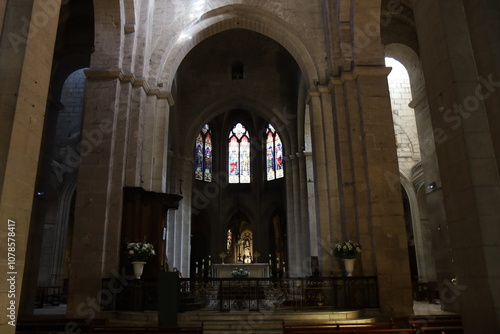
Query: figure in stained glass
{"type": "Point", "coordinates": [274, 154]}
{"type": "Point", "coordinates": [239, 155]}
{"type": "Point", "coordinates": [203, 155]}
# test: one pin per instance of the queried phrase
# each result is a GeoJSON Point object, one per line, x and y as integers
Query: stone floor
{"type": "Point", "coordinates": [426, 308]}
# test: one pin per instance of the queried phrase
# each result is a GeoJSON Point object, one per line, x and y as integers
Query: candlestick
{"type": "Point", "coordinates": [284, 269]}
{"type": "Point", "coordinates": [269, 259]}
{"type": "Point", "coordinates": [196, 267]}
{"type": "Point", "coordinates": [277, 263]}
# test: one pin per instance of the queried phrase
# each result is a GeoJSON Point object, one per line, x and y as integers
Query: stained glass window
{"type": "Point", "coordinates": [274, 154]}
{"type": "Point", "coordinates": [239, 155]}
{"type": "Point", "coordinates": [203, 155]}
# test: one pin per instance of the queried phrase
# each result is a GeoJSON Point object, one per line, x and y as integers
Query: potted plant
{"type": "Point", "coordinates": [139, 253]}
{"type": "Point", "coordinates": [347, 250]}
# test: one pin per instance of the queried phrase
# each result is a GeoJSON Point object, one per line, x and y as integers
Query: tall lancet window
{"type": "Point", "coordinates": [203, 155]}
{"type": "Point", "coordinates": [274, 154]}
{"type": "Point", "coordinates": [239, 155]}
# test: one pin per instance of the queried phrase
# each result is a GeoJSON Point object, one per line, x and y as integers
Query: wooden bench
{"type": "Point", "coordinates": [443, 330]}
{"type": "Point", "coordinates": [375, 327]}
{"type": "Point", "coordinates": [404, 321]}
{"type": "Point", "coordinates": [148, 329]}
{"type": "Point", "coordinates": [385, 331]}
{"type": "Point", "coordinates": [58, 325]}
{"type": "Point", "coordinates": [353, 330]}
{"type": "Point", "coordinates": [417, 324]}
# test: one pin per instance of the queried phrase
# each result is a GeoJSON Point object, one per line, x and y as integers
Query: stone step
{"type": "Point", "coordinates": [278, 315]}
{"type": "Point", "coordinates": [264, 322]}
{"type": "Point", "coordinates": [241, 326]}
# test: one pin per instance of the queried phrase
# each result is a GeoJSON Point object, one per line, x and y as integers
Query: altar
{"type": "Point", "coordinates": [257, 270]}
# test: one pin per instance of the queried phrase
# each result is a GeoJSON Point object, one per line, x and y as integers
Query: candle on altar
{"type": "Point", "coordinates": [269, 259]}
{"type": "Point", "coordinates": [209, 260]}
{"type": "Point", "coordinates": [277, 263]}
{"type": "Point", "coordinates": [284, 269]}
{"type": "Point", "coordinates": [203, 264]}
{"type": "Point", "coordinates": [196, 267]}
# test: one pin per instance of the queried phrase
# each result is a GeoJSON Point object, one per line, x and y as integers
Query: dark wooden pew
{"type": "Point", "coordinates": [443, 330]}
{"type": "Point", "coordinates": [148, 329]}
{"type": "Point", "coordinates": [353, 331]}
{"type": "Point", "coordinates": [58, 325]}
{"type": "Point", "coordinates": [404, 321]}
{"type": "Point", "coordinates": [378, 327]}
{"type": "Point", "coordinates": [417, 324]}
{"type": "Point", "coordinates": [70, 327]}
{"type": "Point", "coordinates": [385, 331]}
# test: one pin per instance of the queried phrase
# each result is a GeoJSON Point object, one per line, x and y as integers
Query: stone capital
{"type": "Point", "coordinates": [112, 74]}
{"type": "Point", "coordinates": [364, 70]}
{"type": "Point", "coordinates": [417, 99]}
{"type": "Point", "coordinates": [105, 74]}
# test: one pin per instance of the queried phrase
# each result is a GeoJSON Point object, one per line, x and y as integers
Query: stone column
{"type": "Point", "coordinates": [292, 233]}
{"type": "Point", "coordinates": [433, 248]}
{"type": "Point", "coordinates": [99, 201]}
{"type": "Point", "coordinates": [136, 121]}
{"type": "Point", "coordinates": [385, 208]}
{"type": "Point", "coordinates": [26, 51]}
{"type": "Point", "coordinates": [459, 109]}
{"type": "Point", "coordinates": [325, 214]}
{"type": "Point", "coordinates": [305, 254]}
{"type": "Point", "coordinates": [160, 150]}
{"type": "Point", "coordinates": [183, 220]}
{"type": "Point", "coordinates": [179, 221]}
{"type": "Point", "coordinates": [311, 205]}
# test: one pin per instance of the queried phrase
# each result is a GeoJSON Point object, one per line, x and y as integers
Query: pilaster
{"type": "Point", "coordinates": [325, 212]}
{"type": "Point", "coordinates": [292, 233]}
{"type": "Point", "coordinates": [99, 200]}
{"type": "Point", "coordinates": [305, 254]}
{"type": "Point", "coordinates": [458, 100]}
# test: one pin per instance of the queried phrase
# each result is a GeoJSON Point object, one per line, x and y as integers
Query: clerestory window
{"type": "Point", "coordinates": [239, 155]}
{"type": "Point", "coordinates": [203, 155]}
{"type": "Point", "coordinates": [274, 154]}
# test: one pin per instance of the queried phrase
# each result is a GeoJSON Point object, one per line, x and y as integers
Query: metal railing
{"type": "Point", "coordinates": [254, 294]}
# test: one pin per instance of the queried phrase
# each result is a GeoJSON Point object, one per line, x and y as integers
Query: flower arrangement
{"type": "Point", "coordinates": [240, 272]}
{"type": "Point", "coordinates": [140, 251]}
{"type": "Point", "coordinates": [347, 249]}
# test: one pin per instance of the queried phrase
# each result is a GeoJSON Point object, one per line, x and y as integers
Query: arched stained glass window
{"type": "Point", "coordinates": [239, 155]}
{"type": "Point", "coordinates": [203, 155]}
{"type": "Point", "coordinates": [274, 154]}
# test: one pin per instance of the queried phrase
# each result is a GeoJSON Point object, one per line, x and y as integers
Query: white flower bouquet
{"type": "Point", "coordinates": [347, 249]}
{"type": "Point", "coordinates": [240, 273]}
{"type": "Point", "coordinates": [140, 251]}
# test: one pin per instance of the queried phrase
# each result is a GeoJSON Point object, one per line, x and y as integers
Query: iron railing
{"type": "Point", "coordinates": [254, 294]}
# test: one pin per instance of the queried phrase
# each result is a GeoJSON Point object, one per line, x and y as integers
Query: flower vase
{"type": "Point", "coordinates": [138, 268]}
{"type": "Point", "coordinates": [349, 266]}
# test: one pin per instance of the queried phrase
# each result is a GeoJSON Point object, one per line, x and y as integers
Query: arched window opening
{"type": "Point", "coordinates": [239, 155]}
{"type": "Point", "coordinates": [274, 154]}
{"type": "Point", "coordinates": [203, 155]}
{"type": "Point", "coordinates": [237, 70]}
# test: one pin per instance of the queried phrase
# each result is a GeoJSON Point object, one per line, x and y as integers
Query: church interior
{"type": "Point", "coordinates": [244, 140]}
